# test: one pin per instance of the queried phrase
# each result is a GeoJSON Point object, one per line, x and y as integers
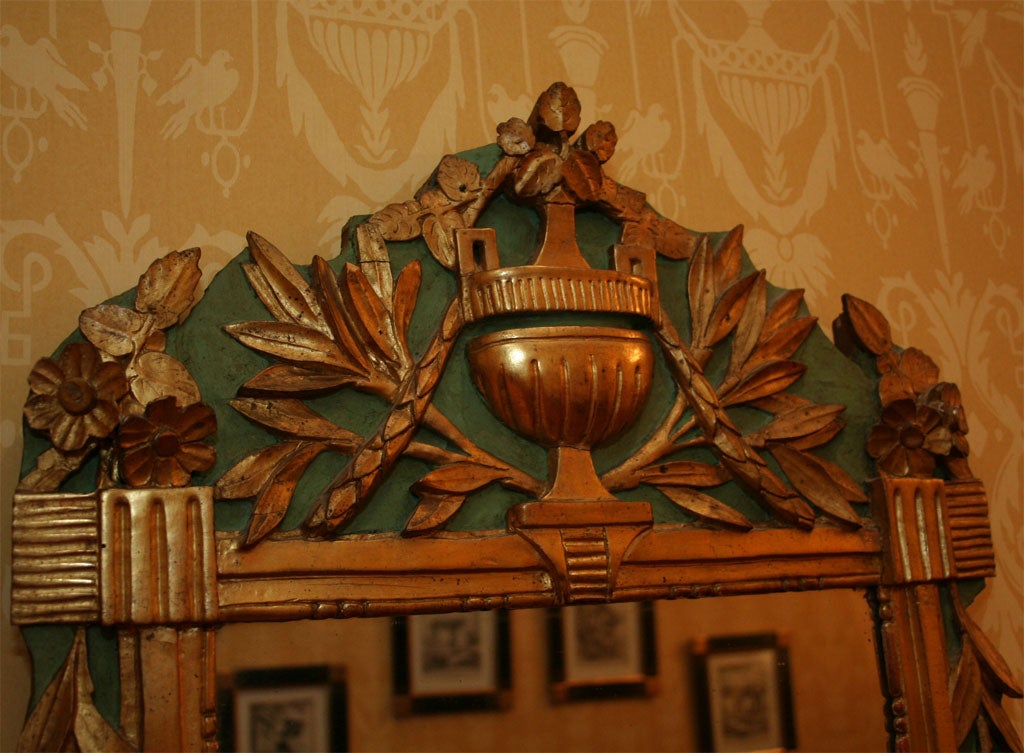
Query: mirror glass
{"type": "Point", "coordinates": [837, 702]}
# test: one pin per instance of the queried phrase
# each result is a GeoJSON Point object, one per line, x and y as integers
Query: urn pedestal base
{"type": "Point", "coordinates": [583, 540]}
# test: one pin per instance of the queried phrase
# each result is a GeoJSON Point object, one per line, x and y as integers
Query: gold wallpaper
{"type": "Point", "coordinates": [872, 148]}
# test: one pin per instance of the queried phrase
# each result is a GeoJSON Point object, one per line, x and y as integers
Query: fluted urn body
{"type": "Point", "coordinates": [567, 388]}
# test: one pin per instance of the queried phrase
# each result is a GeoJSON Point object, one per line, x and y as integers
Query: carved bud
{"type": "Point", "coordinates": [538, 173]}
{"type": "Point", "coordinates": [601, 139]}
{"type": "Point", "coordinates": [515, 137]}
{"type": "Point", "coordinates": [557, 110]}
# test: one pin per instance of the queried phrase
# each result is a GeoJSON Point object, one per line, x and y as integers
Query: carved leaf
{"type": "Point", "coordinates": [251, 473]}
{"type": "Point", "coordinates": [52, 467]}
{"type": "Point", "coordinates": [671, 239]}
{"type": "Point", "coordinates": [289, 342]}
{"type": "Point", "coordinates": [685, 473]}
{"type": "Point", "coordinates": [992, 663]}
{"type": "Point", "coordinates": [329, 293]}
{"type": "Point", "coordinates": [284, 377]}
{"type": "Point", "coordinates": [707, 508]}
{"type": "Point", "coordinates": [852, 491]}
{"type": "Point", "coordinates": [158, 375]}
{"type": "Point", "coordinates": [800, 422]}
{"type": "Point", "coordinates": [367, 314]}
{"type": "Point", "coordinates": [167, 289]}
{"type": "Point", "coordinates": [290, 291]}
{"type": "Point", "coordinates": [458, 178]}
{"type": "Point", "coordinates": [748, 331]}
{"type": "Point", "coordinates": [994, 711]}
{"type": "Point", "coordinates": [701, 288]}
{"type": "Point", "coordinates": [817, 438]}
{"type": "Point", "coordinates": [870, 325]}
{"type": "Point", "coordinates": [399, 222]}
{"type": "Point", "coordinates": [785, 308]}
{"type": "Point", "coordinates": [538, 173]}
{"type": "Point", "coordinates": [728, 309]}
{"type": "Point", "coordinates": [406, 292]}
{"type": "Point", "coordinates": [374, 261]}
{"type": "Point", "coordinates": [581, 174]}
{"type": "Point", "coordinates": [729, 258]}
{"type": "Point", "coordinates": [433, 511]}
{"type": "Point", "coordinates": [780, 402]}
{"type": "Point", "coordinates": [272, 503]}
{"type": "Point", "coordinates": [295, 418]}
{"type": "Point", "coordinates": [814, 484]}
{"type": "Point", "coordinates": [765, 380]}
{"type": "Point", "coordinates": [65, 717]}
{"type": "Point", "coordinates": [115, 330]}
{"type": "Point", "coordinates": [783, 343]}
{"type": "Point", "coordinates": [457, 478]}
{"type": "Point", "coordinates": [258, 282]}
{"type": "Point", "coordinates": [966, 693]}
{"type": "Point", "coordinates": [438, 237]}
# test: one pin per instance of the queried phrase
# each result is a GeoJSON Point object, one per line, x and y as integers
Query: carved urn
{"type": "Point", "coordinates": [567, 388]}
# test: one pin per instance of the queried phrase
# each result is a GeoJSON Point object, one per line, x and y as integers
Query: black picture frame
{"type": "Point", "coordinates": [301, 708]}
{"type": "Point", "coordinates": [743, 693]}
{"type": "Point", "coordinates": [602, 651]}
{"type": "Point", "coordinates": [453, 662]}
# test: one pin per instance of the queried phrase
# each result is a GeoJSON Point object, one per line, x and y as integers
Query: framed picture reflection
{"type": "Point", "coordinates": [458, 661]}
{"type": "Point", "coordinates": [744, 700]}
{"type": "Point", "coordinates": [602, 651]}
{"type": "Point", "coordinates": [284, 709]}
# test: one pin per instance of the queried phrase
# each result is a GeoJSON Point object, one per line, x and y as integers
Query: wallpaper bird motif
{"type": "Point", "coordinates": [871, 148]}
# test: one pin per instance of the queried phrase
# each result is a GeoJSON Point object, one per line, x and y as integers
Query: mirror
{"type": "Point", "coordinates": [837, 701]}
{"type": "Point", "coordinates": [293, 495]}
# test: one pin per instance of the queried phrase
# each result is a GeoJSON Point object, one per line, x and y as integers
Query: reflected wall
{"type": "Point", "coordinates": [838, 703]}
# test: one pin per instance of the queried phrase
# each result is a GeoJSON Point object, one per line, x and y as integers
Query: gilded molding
{"type": "Point", "coordinates": [55, 559]}
{"type": "Point", "coordinates": [158, 556]}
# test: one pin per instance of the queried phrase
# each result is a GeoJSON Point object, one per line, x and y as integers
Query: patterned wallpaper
{"type": "Point", "coordinates": [874, 148]}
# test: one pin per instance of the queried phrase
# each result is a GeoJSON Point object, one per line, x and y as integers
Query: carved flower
{"type": "Point", "coordinates": [907, 440]}
{"type": "Point", "coordinates": [912, 373]}
{"type": "Point", "coordinates": [945, 399]}
{"type": "Point", "coordinates": [75, 397]}
{"type": "Point", "coordinates": [164, 446]}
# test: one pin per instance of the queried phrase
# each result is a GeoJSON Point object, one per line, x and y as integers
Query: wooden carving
{"type": "Point", "coordinates": [689, 449]}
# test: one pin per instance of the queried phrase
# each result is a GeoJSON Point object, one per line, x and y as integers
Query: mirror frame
{"type": "Point", "coordinates": [148, 561]}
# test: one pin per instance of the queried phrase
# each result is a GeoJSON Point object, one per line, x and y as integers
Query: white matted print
{"type": "Point", "coordinates": [453, 654]}
{"type": "Point", "coordinates": [602, 643]}
{"type": "Point", "coordinates": [743, 692]}
{"type": "Point", "coordinates": [283, 719]}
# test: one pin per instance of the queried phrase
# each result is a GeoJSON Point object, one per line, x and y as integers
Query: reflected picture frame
{"type": "Point", "coordinates": [300, 708]}
{"type": "Point", "coordinates": [743, 693]}
{"type": "Point", "coordinates": [451, 662]}
{"type": "Point", "coordinates": [605, 650]}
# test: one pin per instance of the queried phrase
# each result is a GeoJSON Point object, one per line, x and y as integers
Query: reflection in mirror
{"type": "Point", "coordinates": [837, 701]}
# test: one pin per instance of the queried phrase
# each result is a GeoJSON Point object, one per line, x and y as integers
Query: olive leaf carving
{"type": "Point", "coordinates": [443, 491]}
{"type": "Point", "coordinates": [349, 330]}
{"type": "Point", "coordinates": [765, 337]}
{"type": "Point", "coordinates": [979, 680]}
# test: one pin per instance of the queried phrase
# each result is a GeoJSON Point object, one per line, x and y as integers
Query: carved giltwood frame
{"type": "Point", "coordinates": [140, 551]}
